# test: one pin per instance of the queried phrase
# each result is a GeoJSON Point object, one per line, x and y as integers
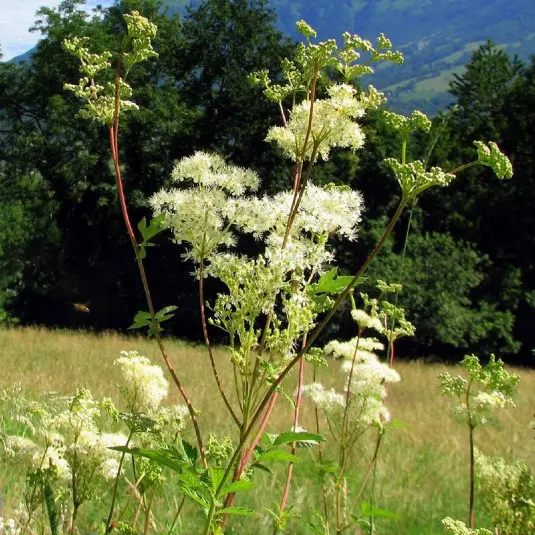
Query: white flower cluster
{"type": "Point", "coordinates": [366, 380]}
{"type": "Point", "coordinates": [492, 400]}
{"type": "Point", "coordinates": [65, 442]}
{"type": "Point", "coordinates": [90, 454]}
{"type": "Point", "coordinates": [328, 400]}
{"type": "Point", "coordinates": [457, 527]}
{"type": "Point", "coordinates": [365, 320]}
{"type": "Point", "coordinates": [346, 350]}
{"type": "Point", "coordinates": [212, 172]}
{"type": "Point", "coordinates": [144, 386]}
{"type": "Point", "coordinates": [332, 125]}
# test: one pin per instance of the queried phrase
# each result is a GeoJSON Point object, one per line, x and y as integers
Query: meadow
{"type": "Point", "coordinates": [422, 474]}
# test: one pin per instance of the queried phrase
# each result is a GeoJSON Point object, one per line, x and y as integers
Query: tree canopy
{"type": "Point", "coordinates": [468, 267]}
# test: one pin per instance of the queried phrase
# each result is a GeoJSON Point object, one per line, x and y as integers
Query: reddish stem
{"type": "Point", "coordinates": [245, 457]}
{"type": "Point", "coordinates": [298, 402]}
{"type": "Point", "coordinates": [114, 131]}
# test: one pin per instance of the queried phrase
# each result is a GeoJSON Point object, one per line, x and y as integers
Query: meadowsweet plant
{"type": "Point", "coordinates": [360, 408]}
{"type": "Point", "coordinates": [483, 391]}
{"type": "Point", "coordinates": [508, 494]}
{"type": "Point", "coordinates": [272, 307]}
{"type": "Point", "coordinates": [457, 527]}
{"type": "Point", "coordinates": [66, 446]}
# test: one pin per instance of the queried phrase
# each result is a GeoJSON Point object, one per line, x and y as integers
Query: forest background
{"type": "Point", "coordinates": [469, 267]}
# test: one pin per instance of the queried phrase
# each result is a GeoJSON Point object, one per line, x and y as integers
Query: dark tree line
{"type": "Point", "coordinates": [469, 267]}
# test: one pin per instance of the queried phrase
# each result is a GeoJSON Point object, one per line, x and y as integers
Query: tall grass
{"type": "Point", "coordinates": [422, 472]}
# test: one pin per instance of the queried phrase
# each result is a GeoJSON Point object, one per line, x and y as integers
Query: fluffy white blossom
{"type": "Point", "coordinates": [90, 454]}
{"type": "Point", "coordinates": [333, 125]}
{"type": "Point", "coordinates": [492, 400]}
{"type": "Point", "coordinates": [211, 171]}
{"type": "Point", "coordinates": [346, 350]}
{"type": "Point", "coordinates": [143, 386]}
{"type": "Point", "coordinates": [81, 414]}
{"type": "Point", "coordinates": [196, 217]}
{"type": "Point", "coordinates": [365, 321]}
{"type": "Point", "coordinates": [324, 210]}
{"type": "Point", "coordinates": [10, 527]}
{"type": "Point", "coordinates": [18, 446]}
{"type": "Point", "coordinates": [369, 377]}
{"type": "Point", "coordinates": [53, 458]}
{"type": "Point", "coordinates": [457, 527]}
{"type": "Point", "coordinates": [328, 400]}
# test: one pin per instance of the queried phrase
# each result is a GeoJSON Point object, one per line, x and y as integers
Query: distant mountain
{"type": "Point", "coordinates": [26, 57]}
{"type": "Point", "coordinates": [437, 37]}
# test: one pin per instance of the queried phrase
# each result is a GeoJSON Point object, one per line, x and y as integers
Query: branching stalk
{"type": "Point", "coordinates": [114, 136]}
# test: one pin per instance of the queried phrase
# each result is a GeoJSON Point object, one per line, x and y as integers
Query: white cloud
{"type": "Point", "coordinates": [16, 16]}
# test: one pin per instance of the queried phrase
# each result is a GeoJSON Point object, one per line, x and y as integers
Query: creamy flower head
{"type": "Point", "coordinates": [493, 400]}
{"type": "Point", "coordinates": [211, 171]}
{"type": "Point", "coordinates": [328, 400]}
{"type": "Point", "coordinates": [196, 217]}
{"type": "Point", "coordinates": [10, 526]}
{"type": "Point", "coordinates": [144, 386]}
{"type": "Point", "coordinates": [324, 210]}
{"type": "Point", "coordinates": [53, 458]}
{"type": "Point", "coordinates": [18, 446]}
{"type": "Point", "coordinates": [333, 125]}
{"type": "Point", "coordinates": [346, 350]}
{"type": "Point", "coordinates": [365, 321]}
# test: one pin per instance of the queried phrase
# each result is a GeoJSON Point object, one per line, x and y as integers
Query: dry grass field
{"type": "Point", "coordinates": [422, 474]}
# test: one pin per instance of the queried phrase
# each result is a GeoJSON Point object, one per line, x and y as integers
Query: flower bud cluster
{"type": "Point", "coordinates": [486, 389]}
{"type": "Point", "coordinates": [105, 102]}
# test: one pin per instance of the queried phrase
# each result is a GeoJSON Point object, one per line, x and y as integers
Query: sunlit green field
{"type": "Point", "coordinates": [422, 473]}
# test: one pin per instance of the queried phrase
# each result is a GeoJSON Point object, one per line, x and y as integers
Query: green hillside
{"type": "Point", "coordinates": [437, 37]}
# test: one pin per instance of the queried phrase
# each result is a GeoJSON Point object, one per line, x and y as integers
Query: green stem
{"type": "Point", "coordinates": [175, 519]}
{"type": "Point", "coordinates": [463, 167]}
{"type": "Point", "coordinates": [209, 518]}
{"type": "Point", "coordinates": [471, 513]}
{"type": "Point", "coordinates": [116, 484]}
{"type": "Point", "coordinates": [207, 339]}
{"type": "Point", "coordinates": [267, 397]}
{"type": "Point", "coordinates": [148, 513]}
{"type": "Point", "coordinates": [114, 137]}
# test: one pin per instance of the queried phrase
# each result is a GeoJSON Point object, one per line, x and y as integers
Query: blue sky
{"type": "Point", "coordinates": [16, 16]}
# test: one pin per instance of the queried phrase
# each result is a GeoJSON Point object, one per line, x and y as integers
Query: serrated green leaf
{"type": "Point", "coordinates": [330, 284]}
{"type": "Point", "coordinates": [165, 313]}
{"type": "Point", "coordinates": [216, 476]}
{"type": "Point", "coordinates": [298, 436]}
{"type": "Point", "coordinates": [161, 457]}
{"type": "Point", "coordinates": [262, 467]}
{"type": "Point", "coordinates": [278, 455]}
{"type": "Point", "coordinates": [190, 451]}
{"type": "Point", "coordinates": [195, 496]}
{"type": "Point", "coordinates": [154, 227]}
{"type": "Point", "coordinates": [238, 486]}
{"type": "Point", "coordinates": [141, 319]}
